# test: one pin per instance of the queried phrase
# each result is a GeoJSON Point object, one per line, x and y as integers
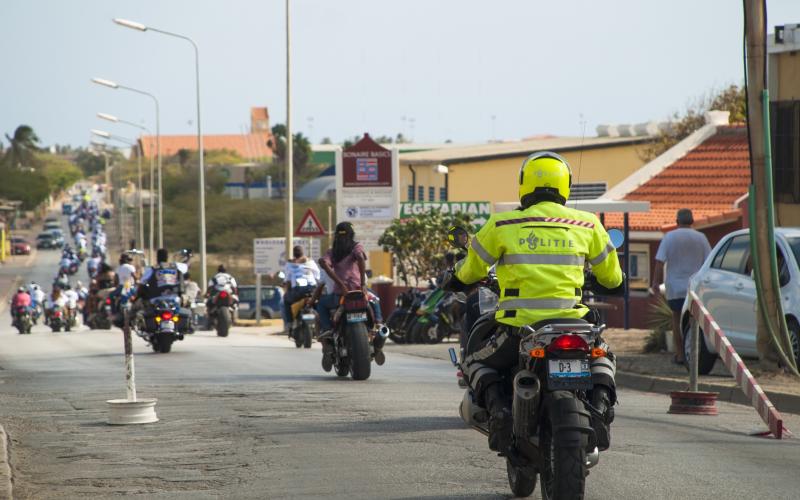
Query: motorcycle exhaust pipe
{"type": "Point", "coordinates": [380, 337]}
{"type": "Point", "coordinates": [527, 390]}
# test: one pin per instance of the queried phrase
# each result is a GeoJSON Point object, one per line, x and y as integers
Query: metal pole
{"type": "Point", "coordinates": [289, 152]}
{"type": "Point", "coordinates": [626, 267]}
{"type": "Point", "coordinates": [202, 181]}
{"type": "Point", "coordinates": [269, 187]}
{"type": "Point", "coordinates": [150, 205]}
{"type": "Point", "coordinates": [258, 300]}
{"type": "Point", "coordinates": [139, 197]}
{"type": "Point", "coordinates": [160, 200]}
{"type": "Point", "coordinates": [695, 350]}
{"type": "Point", "coordinates": [330, 226]}
{"type": "Point", "coordinates": [108, 179]}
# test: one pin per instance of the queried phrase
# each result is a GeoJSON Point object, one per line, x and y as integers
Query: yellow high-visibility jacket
{"type": "Point", "coordinates": [540, 254]}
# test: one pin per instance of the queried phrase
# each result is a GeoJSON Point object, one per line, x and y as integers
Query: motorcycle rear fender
{"type": "Point", "coordinates": [570, 419]}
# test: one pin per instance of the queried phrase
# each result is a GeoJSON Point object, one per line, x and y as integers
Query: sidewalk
{"type": "Point", "coordinates": [655, 372]}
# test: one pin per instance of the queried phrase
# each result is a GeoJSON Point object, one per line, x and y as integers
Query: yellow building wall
{"type": "Point", "coordinates": [496, 180]}
{"type": "Point", "coordinates": [426, 177]}
{"type": "Point", "coordinates": [788, 71]}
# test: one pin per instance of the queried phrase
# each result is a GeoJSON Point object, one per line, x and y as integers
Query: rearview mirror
{"type": "Point", "coordinates": [458, 237]}
{"type": "Point", "coordinates": [616, 237]}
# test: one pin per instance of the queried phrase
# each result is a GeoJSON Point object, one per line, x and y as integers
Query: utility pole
{"type": "Point", "coordinates": [772, 339]}
{"type": "Point", "coordinates": [289, 166]}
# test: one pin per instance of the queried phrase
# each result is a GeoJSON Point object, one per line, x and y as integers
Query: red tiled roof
{"type": "Point", "coordinates": [248, 146]}
{"type": "Point", "coordinates": [707, 180]}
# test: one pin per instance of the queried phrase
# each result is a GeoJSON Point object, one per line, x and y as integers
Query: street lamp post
{"type": "Point", "coordinates": [132, 143]}
{"type": "Point", "coordinates": [289, 142]}
{"type": "Point", "coordinates": [114, 119]}
{"type": "Point", "coordinates": [202, 182]}
{"type": "Point", "coordinates": [115, 85]}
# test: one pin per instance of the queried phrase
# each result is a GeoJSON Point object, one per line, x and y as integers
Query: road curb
{"type": "Point", "coordinates": [6, 486]}
{"type": "Point", "coordinates": [788, 403]}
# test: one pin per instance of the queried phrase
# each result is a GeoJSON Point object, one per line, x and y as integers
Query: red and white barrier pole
{"type": "Point", "coordinates": [769, 414]}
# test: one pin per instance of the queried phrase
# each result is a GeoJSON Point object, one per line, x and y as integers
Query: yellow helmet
{"type": "Point", "coordinates": [545, 173]}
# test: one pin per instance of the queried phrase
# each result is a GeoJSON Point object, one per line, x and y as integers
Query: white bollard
{"type": "Point", "coordinates": [131, 410]}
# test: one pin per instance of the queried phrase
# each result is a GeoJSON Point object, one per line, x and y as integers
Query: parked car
{"type": "Point", "coordinates": [66, 208]}
{"type": "Point", "coordinates": [271, 301]}
{"type": "Point", "coordinates": [725, 286]}
{"type": "Point", "coordinates": [46, 240]}
{"type": "Point", "coordinates": [58, 236]}
{"type": "Point", "coordinates": [20, 246]}
{"type": "Point", "coordinates": [48, 225]}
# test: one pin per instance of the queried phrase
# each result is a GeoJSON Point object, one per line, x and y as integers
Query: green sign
{"type": "Point", "coordinates": [480, 210]}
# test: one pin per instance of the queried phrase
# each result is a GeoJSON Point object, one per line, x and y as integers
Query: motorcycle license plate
{"type": "Point", "coordinates": [569, 374]}
{"type": "Point", "coordinates": [308, 317]}
{"type": "Point", "coordinates": [167, 326]}
{"type": "Point", "coordinates": [359, 317]}
{"type": "Point", "coordinates": [244, 306]}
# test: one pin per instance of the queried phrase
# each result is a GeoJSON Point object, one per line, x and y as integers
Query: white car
{"type": "Point", "coordinates": [725, 286]}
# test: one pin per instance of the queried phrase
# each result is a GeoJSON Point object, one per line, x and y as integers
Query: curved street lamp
{"type": "Point", "coordinates": [114, 85]}
{"type": "Point", "coordinates": [114, 119]}
{"type": "Point", "coordinates": [202, 191]}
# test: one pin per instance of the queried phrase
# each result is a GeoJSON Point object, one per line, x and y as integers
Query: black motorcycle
{"type": "Point", "coordinates": [221, 307]}
{"type": "Point", "coordinates": [550, 391]}
{"type": "Point", "coordinates": [402, 319]}
{"type": "Point", "coordinates": [161, 324]}
{"type": "Point", "coordinates": [303, 326]}
{"type": "Point", "coordinates": [22, 319]}
{"type": "Point", "coordinates": [349, 344]}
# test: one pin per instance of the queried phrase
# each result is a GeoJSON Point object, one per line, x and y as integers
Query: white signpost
{"type": "Point", "coordinates": [269, 257]}
{"type": "Point", "coordinates": [367, 189]}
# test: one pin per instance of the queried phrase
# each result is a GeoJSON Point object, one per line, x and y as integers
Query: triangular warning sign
{"type": "Point", "coordinates": [310, 225]}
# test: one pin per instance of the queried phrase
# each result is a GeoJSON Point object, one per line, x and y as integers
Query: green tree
{"type": "Point", "coordinates": [301, 149]}
{"type": "Point", "coordinates": [418, 244]}
{"type": "Point", "coordinates": [730, 99]}
{"type": "Point", "coordinates": [22, 146]}
{"type": "Point", "coordinates": [60, 172]}
{"type": "Point", "coordinates": [94, 163]}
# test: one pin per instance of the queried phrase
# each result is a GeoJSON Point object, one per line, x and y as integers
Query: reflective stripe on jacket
{"type": "Point", "coordinates": [540, 254]}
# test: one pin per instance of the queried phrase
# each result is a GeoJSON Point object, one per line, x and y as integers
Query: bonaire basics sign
{"type": "Point", "coordinates": [479, 210]}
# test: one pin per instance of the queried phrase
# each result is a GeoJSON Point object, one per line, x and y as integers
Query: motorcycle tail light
{"type": "Point", "coordinates": [223, 294]}
{"type": "Point", "coordinates": [568, 343]}
{"type": "Point", "coordinates": [108, 300]}
{"type": "Point", "coordinates": [57, 314]}
{"type": "Point", "coordinates": [166, 315]}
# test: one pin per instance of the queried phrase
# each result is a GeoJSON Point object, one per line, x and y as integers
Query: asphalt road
{"type": "Point", "coordinates": [250, 416]}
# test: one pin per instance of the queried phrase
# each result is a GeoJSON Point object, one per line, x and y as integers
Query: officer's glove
{"type": "Point", "coordinates": [591, 283]}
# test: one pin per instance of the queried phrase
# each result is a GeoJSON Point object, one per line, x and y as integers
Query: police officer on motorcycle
{"type": "Point", "coordinates": [539, 251]}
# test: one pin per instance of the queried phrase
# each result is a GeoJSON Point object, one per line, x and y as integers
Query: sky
{"type": "Point", "coordinates": [461, 70]}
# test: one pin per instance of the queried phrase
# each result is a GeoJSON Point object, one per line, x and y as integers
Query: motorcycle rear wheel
{"type": "Point", "coordinates": [306, 336]}
{"type": "Point", "coordinates": [564, 468]}
{"type": "Point", "coordinates": [358, 344]}
{"type": "Point", "coordinates": [223, 321]}
{"type": "Point", "coordinates": [522, 480]}
{"type": "Point", "coordinates": [395, 322]}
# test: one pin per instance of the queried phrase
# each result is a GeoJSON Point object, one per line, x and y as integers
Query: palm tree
{"type": "Point", "coordinates": [22, 147]}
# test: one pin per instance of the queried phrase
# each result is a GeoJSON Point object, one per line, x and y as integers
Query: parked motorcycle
{"type": "Point", "coordinates": [402, 319]}
{"type": "Point", "coordinates": [161, 324]}
{"type": "Point", "coordinates": [439, 316]}
{"type": "Point", "coordinates": [351, 349]}
{"type": "Point", "coordinates": [22, 319]}
{"type": "Point", "coordinates": [551, 408]}
{"type": "Point", "coordinates": [221, 310]}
